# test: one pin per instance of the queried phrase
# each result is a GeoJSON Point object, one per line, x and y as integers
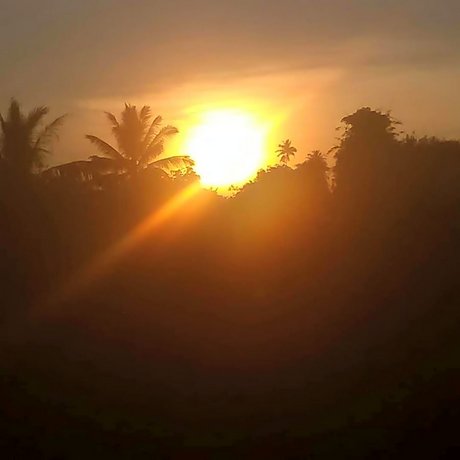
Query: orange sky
{"type": "Point", "coordinates": [303, 63]}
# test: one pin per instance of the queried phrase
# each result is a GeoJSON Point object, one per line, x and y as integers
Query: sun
{"type": "Point", "coordinates": [228, 147]}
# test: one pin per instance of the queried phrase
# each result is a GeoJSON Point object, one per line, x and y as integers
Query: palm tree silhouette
{"type": "Point", "coordinates": [317, 161]}
{"type": "Point", "coordinates": [140, 142]}
{"type": "Point", "coordinates": [22, 148]}
{"type": "Point", "coordinates": [285, 151]}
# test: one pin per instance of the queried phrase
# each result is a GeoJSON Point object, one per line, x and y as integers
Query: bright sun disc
{"type": "Point", "coordinates": [227, 148]}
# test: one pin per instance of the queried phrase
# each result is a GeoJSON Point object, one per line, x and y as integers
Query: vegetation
{"type": "Point", "coordinates": [140, 143]}
{"type": "Point", "coordinates": [22, 146]}
{"type": "Point", "coordinates": [285, 151]}
{"type": "Point", "coordinates": [314, 314]}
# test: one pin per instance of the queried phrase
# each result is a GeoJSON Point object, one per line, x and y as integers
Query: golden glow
{"type": "Point", "coordinates": [228, 147]}
{"type": "Point", "coordinates": [106, 260]}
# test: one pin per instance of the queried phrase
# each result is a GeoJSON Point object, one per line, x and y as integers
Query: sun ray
{"type": "Point", "coordinates": [101, 264]}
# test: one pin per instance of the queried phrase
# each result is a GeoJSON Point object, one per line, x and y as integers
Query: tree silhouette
{"type": "Point", "coordinates": [140, 144]}
{"type": "Point", "coordinates": [313, 176]}
{"type": "Point", "coordinates": [75, 171]}
{"type": "Point", "coordinates": [365, 153]}
{"type": "Point", "coordinates": [317, 161]}
{"type": "Point", "coordinates": [285, 151]}
{"type": "Point", "coordinates": [23, 145]}
{"type": "Point", "coordinates": [266, 282]}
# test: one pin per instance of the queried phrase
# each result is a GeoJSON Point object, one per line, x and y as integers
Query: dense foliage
{"type": "Point", "coordinates": [314, 314]}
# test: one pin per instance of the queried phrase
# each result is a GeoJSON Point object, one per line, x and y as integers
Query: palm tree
{"type": "Point", "coordinates": [318, 162]}
{"type": "Point", "coordinates": [22, 145]}
{"type": "Point", "coordinates": [285, 151]}
{"type": "Point", "coordinates": [140, 143]}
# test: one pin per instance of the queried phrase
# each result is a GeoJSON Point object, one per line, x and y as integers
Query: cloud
{"type": "Point", "coordinates": [298, 56]}
{"type": "Point", "coordinates": [103, 48]}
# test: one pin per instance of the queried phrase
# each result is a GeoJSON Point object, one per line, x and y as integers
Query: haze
{"type": "Point", "coordinates": [312, 61]}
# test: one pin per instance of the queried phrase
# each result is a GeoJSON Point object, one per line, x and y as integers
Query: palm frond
{"type": "Point", "coordinates": [105, 148]}
{"type": "Point", "coordinates": [164, 132]}
{"type": "Point", "coordinates": [152, 130]}
{"type": "Point", "coordinates": [50, 132]}
{"type": "Point", "coordinates": [174, 162]}
{"type": "Point", "coordinates": [115, 125]}
{"type": "Point", "coordinates": [35, 116]}
{"type": "Point", "coordinates": [129, 115]}
{"type": "Point", "coordinates": [112, 119]}
{"type": "Point", "coordinates": [104, 165]}
{"type": "Point", "coordinates": [14, 111]}
{"type": "Point", "coordinates": [145, 114]}
{"type": "Point", "coordinates": [156, 146]}
{"type": "Point", "coordinates": [154, 151]}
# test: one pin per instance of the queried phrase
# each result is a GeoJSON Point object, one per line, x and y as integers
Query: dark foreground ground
{"type": "Point", "coordinates": [210, 355]}
{"type": "Point", "coordinates": [288, 322]}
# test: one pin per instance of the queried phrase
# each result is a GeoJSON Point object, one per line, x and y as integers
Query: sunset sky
{"type": "Point", "coordinates": [302, 64]}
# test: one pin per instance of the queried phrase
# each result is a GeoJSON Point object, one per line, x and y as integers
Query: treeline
{"type": "Point", "coordinates": [312, 314]}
